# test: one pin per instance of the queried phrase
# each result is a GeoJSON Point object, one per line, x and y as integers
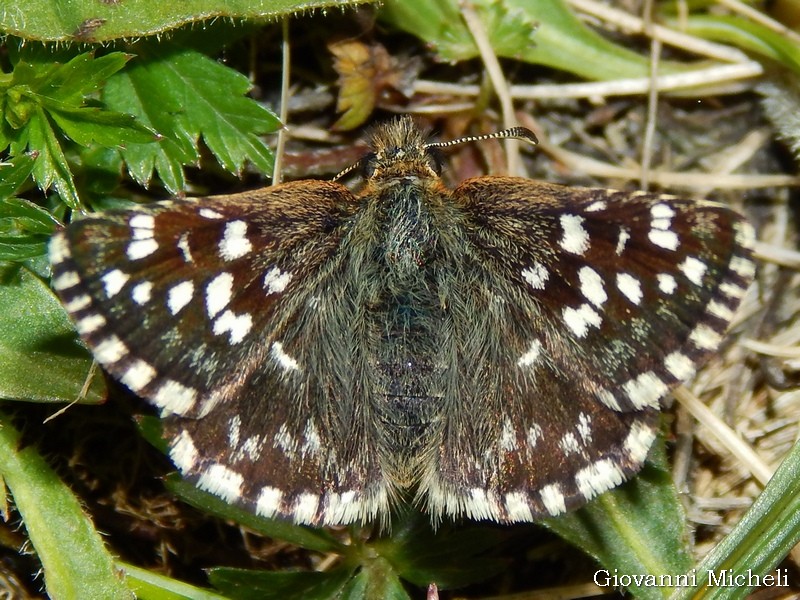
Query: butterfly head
{"type": "Point", "coordinates": [399, 152]}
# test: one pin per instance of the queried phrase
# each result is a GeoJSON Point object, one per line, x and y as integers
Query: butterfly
{"type": "Point", "coordinates": [496, 351]}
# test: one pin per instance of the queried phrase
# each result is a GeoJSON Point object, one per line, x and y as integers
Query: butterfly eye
{"type": "Point", "coordinates": [436, 159]}
{"type": "Point", "coordinates": [367, 165]}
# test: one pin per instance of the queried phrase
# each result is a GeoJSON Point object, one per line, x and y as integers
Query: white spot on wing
{"type": "Point", "coordinates": [622, 240]}
{"type": "Point", "coordinates": [569, 444]}
{"type": "Point", "coordinates": [138, 375]}
{"type": "Point", "coordinates": [142, 292]}
{"type": "Point", "coordinates": [269, 501]}
{"type": "Point", "coordinates": [222, 481]}
{"type": "Point", "coordinates": [575, 238]}
{"type": "Point", "coordinates": [481, 504]}
{"type": "Point", "coordinates": [592, 286]}
{"type": "Point", "coordinates": [113, 281]}
{"type": "Point", "coordinates": [141, 248]}
{"type": "Point", "coordinates": [743, 267]}
{"type": "Point", "coordinates": [348, 507]}
{"type": "Point", "coordinates": [705, 338]}
{"type": "Point", "coordinates": [661, 218]}
{"type": "Point", "coordinates": [667, 283]}
{"type": "Point", "coordinates": [179, 296]}
{"type": "Point", "coordinates": [142, 222]}
{"type": "Point", "coordinates": [90, 324]}
{"type": "Point", "coordinates": [596, 206]}
{"type": "Point", "coordinates": [645, 390]}
{"type": "Point", "coordinates": [518, 507]}
{"type": "Point", "coordinates": [142, 234]}
{"type": "Point", "coordinates": [183, 246]}
{"type": "Point", "coordinates": [598, 477]}
{"type": "Point", "coordinates": [58, 249]}
{"type": "Point", "coordinates": [585, 427]}
{"type": "Point", "coordinates": [580, 319]}
{"type": "Point", "coordinates": [637, 444]}
{"type": "Point", "coordinates": [679, 366]}
{"type": "Point", "coordinates": [664, 239]}
{"type": "Point", "coordinates": [536, 275]}
{"type": "Point", "coordinates": [234, 242]}
{"type": "Point", "coordinates": [534, 435]}
{"type": "Point", "coordinates": [78, 303]}
{"type": "Point", "coordinates": [630, 287]}
{"type": "Point", "coordinates": [694, 269]}
{"type": "Point", "coordinates": [305, 508]}
{"type": "Point", "coordinates": [251, 448]}
{"type": "Point", "coordinates": [553, 499]}
{"type": "Point", "coordinates": [531, 356]}
{"type": "Point", "coordinates": [174, 397]}
{"type": "Point", "coordinates": [719, 310]}
{"type": "Point", "coordinates": [238, 326]}
{"type": "Point", "coordinates": [732, 290]}
{"type": "Point", "coordinates": [285, 441]}
{"type": "Point", "coordinates": [208, 213]}
{"type": "Point", "coordinates": [234, 431]}
{"type": "Point", "coordinates": [110, 350]}
{"type": "Point", "coordinates": [183, 452]}
{"type": "Point", "coordinates": [66, 280]}
{"type": "Point", "coordinates": [609, 399]}
{"type": "Point", "coordinates": [218, 293]}
{"type": "Point", "coordinates": [745, 234]}
{"type": "Point", "coordinates": [284, 360]}
{"type": "Point", "coordinates": [662, 211]}
{"type": "Point", "coordinates": [275, 281]}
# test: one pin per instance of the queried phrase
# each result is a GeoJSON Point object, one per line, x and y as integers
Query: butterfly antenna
{"type": "Point", "coordinates": [347, 170]}
{"type": "Point", "coordinates": [517, 133]}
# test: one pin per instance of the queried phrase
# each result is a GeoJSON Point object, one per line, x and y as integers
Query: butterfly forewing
{"type": "Point", "coordinates": [499, 351]}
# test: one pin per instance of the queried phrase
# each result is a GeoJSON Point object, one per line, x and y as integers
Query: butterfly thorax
{"type": "Point", "coordinates": [406, 312]}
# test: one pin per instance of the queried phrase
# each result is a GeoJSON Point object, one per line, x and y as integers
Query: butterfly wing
{"type": "Point", "coordinates": [584, 308]}
{"type": "Point", "coordinates": [217, 311]}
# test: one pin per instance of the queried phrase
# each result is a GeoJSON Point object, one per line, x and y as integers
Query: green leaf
{"type": "Point", "coordinates": [42, 103]}
{"type": "Point", "coordinates": [84, 74]}
{"type": "Point", "coordinates": [89, 20]}
{"type": "Point", "coordinates": [51, 168]}
{"type": "Point", "coordinates": [761, 539]}
{"type": "Point", "coordinates": [14, 173]}
{"type": "Point", "coordinates": [149, 585]}
{"type": "Point", "coordinates": [107, 128]}
{"type": "Point", "coordinates": [27, 216]}
{"type": "Point", "coordinates": [38, 77]}
{"type": "Point", "coordinates": [230, 123]}
{"type": "Point", "coordinates": [638, 528]}
{"type": "Point", "coordinates": [544, 32]}
{"type": "Point", "coordinates": [18, 248]}
{"type": "Point", "coordinates": [177, 92]}
{"type": "Point", "coordinates": [745, 34]}
{"type": "Point", "coordinates": [377, 580]}
{"type": "Point", "coordinates": [299, 535]}
{"type": "Point", "coordinates": [25, 229]}
{"type": "Point", "coordinates": [40, 356]}
{"type": "Point", "coordinates": [266, 585]}
{"type": "Point", "coordinates": [452, 556]}
{"type": "Point", "coordinates": [74, 561]}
